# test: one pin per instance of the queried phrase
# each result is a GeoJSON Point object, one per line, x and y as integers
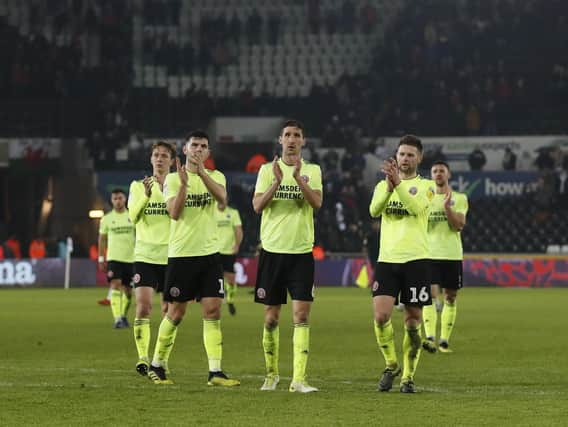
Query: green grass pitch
{"type": "Point", "coordinates": [63, 364]}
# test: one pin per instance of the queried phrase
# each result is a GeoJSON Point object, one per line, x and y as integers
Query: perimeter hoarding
{"type": "Point", "coordinates": [48, 272]}
{"type": "Point", "coordinates": [479, 270]}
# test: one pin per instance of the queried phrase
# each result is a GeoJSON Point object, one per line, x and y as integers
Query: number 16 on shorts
{"type": "Point", "coordinates": [419, 295]}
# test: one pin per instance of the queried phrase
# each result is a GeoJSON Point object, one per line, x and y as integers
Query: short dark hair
{"type": "Point", "coordinates": [117, 191]}
{"type": "Point", "coordinates": [441, 162]}
{"type": "Point", "coordinates": [198, 133]}
{"type": "Point", "coordinates": [294, 123]}
{"type": "Point", "coordinates": [166, 145]}
{"type": "Point", "coordinates": [412, 140]}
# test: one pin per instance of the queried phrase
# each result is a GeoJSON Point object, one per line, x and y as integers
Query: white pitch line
{"type": "Point", "coordinates": [364, 385]}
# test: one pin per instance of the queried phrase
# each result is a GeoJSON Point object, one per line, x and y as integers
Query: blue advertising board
{"type": "Point", "coordinates": [475, 184]}
{"type": "Point", "coordinates": [493, 184]}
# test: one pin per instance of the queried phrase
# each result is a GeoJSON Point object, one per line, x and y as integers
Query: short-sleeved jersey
{"type": "Point", "coordinates": [404, 219]}
{"type": "Point", "coordinates": [194, 233]}
{"type": "Point", "coordinates": [287, 224]}
{"type": "Point", "coordinates": [120, 236]}
{"type": "Point", "coordinates": [152, 221]}
{"type": "Point", "coordinates": [445, 243]}
{"type": "Point", "coordinates": [227, 220]}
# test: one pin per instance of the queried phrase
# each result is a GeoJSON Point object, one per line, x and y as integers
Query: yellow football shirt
{"type": "Point", "coordinates": [287, 223]}
{"type": "Point", "coordinates": [120, 236]}
{"type": "Point", "coordinates": [152, 222]}
{"type": "Point", "coordinates": [227, 220]}
{"type": "Point", "coordinates": [194, 233]}
{"type": "Point", "coordinates": [445, 243]}
{"type": "Point", "coordinates": [404, 219]}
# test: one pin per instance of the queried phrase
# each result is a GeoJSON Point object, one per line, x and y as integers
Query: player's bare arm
{"type": "Point", "coordinates": [103, 240]}
{"type": "Point", "coordinates": [217, 190]}
{"type": "Point", "coordinates": [456, 220]}
{"type": "Point", "coordinates": [175, 204]}
{"type": "Point", "coordinates": [135, 204]}
{"type": "Point", "coordinates": [313, 197]}
{"type": "Point", "coordinates": [261, 200]}
{"type": "Point", "coordinates": [238, 238]}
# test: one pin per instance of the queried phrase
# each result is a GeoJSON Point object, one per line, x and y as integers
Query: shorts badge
{"type": "Point", "coordinates": [174, 292]}
{"type": "Point", "coordinates": [136, 278]}
{"type": "Point", "coordinates": [261, 293]}
{"type": "Point", "coordinates": [375, 286]}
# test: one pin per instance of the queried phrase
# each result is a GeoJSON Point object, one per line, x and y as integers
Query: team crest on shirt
{"type": "Point", "coordinates": [174, 292]}
{"type": "Point", "coordinates": [261, 293]}
{"type": "Point", "coordinates": [375, 286]}
{"type": "Point", "coordinates": [136, 278]}
{"type": "Point", "coordinates": [305, 178]}
{"type": "Point", "coordinates": [110, 274]}
{"type": "Point", "coordinates": [413, 190]}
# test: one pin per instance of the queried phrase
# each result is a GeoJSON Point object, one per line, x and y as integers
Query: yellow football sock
{"type": "Point", "coordinates": [430, 318]}
{"type": "Point", "coordinates": [271, 346]}
{"type": "Point", "coordinates": [165, 342]}
{"type": "Point", "coordinates": [142, 337]}
{"type": "Point", "coordinates": [385, 339]}
{"type": "Point", "coordinates": [125, 304]}
{"type": "Point", "coordinates": [301, 341]}
{"type": "Point", "coordinates": [230, 292]}
{"type": "Point", "coordinates": [448, 321]}
{"type": "Point", "coordinates": [115, 303]}
{"type": "Point", "coordinates": [213, 340]}
{"type": "Point", "coordinates": [411, 345]}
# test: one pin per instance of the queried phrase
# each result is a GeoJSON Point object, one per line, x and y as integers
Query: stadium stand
{"type": "Point", "coordinates": [388, 66]}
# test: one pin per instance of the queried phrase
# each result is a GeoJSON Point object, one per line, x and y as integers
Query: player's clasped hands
{"type": "Point", "coordinates": [297, 166]}
{"type": "Point", "coordinates": [197, 160]}
{"type": "Point", "coordinates": [277, 170]}
{"type": "Point", "coordinates": [448, 199]}
{"type": "Point", "coordinates": [147, 181]}
{"type": "Point", "coordinates": [181, 172]}
{"type": "Point", "coordinates": [390, 169]}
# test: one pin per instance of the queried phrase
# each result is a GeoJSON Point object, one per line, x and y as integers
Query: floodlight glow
{"type": "Point", "coordinates": [96, 213]}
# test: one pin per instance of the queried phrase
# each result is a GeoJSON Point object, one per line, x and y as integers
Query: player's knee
{"type": "Point", "coordinates": [164, 309]}
{"type": "Point", "coordinates": [176, 313]}
{"type": "Point", "coordinates": [381, 318]}
{"type": "Point", "coordinates": [212, 313]}
{"type": "Point", "coordinates": [143, 310]}
{"type": "Point", "coordinates": [301, 317]}
{"type": "Point", "coordinates": [412, 322]}
{"type": "Point", "coordinates": [270, 322]}
{"type": "Point", "coordinates": [450, 297]}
